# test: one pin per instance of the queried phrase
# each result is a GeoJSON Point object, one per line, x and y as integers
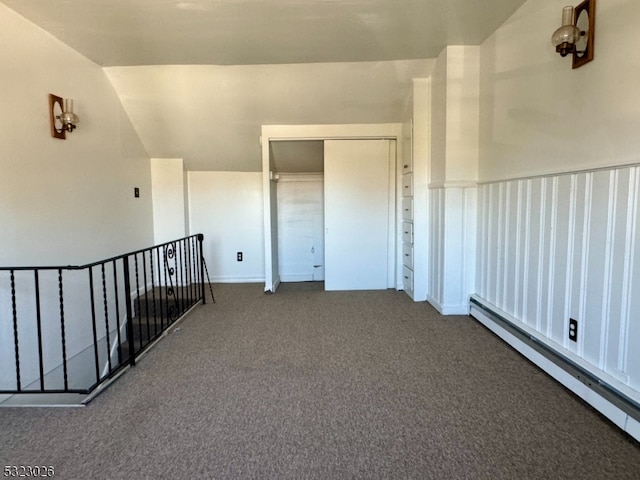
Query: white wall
{"type": "Point", "coordinates": [455, 117]}
{"type": "Point", "coordinates": [538, 115]}
{"type": "Point", "coordinates": [170, 211]}
{"type": "Point", "coordinates": [227, 207]}
{"type": "Point", "coordinates": [65, 201]}
{"type": "Point", "coordinates": [61, 201]}
{"type": "Point", "coordinates": [559, 246]}
{"type": "Point", "coordinates": [463, 93]}
{"type": "Point", "coordinates": [438, 144]}
{"type": "Point", "coordinates": [453, 177]}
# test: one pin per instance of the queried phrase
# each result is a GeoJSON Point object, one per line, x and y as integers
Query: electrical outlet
{"type": "Point", "coordinates": [573, 330]}
{"type": "Point", "coordinates": [136, 192]}
{"type": "Point", "coordinates": [239, 256]}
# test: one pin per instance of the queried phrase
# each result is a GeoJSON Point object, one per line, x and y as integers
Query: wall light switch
{"type": "Point", "coordinates": [136, 192]}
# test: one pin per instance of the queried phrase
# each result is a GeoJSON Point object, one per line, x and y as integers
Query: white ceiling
{"type": "Point", "coordinates": [300, 156]}
{"type": "Point", "coordinates": [242, 32]}
{"type": "Point", "coordinates": [198, 78]}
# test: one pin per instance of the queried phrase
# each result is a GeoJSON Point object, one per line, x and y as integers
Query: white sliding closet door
{"type": "Point", "coordinates": [356, 174]}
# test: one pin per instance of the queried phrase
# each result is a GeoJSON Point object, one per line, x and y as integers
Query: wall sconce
{"type": "Point", "coordinates": [576, 34]}
{"type": "Point", "coordinates": [61, 115]}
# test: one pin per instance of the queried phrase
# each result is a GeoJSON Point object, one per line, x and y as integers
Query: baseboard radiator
{"type": "Point", "coordinates": [601, 393]}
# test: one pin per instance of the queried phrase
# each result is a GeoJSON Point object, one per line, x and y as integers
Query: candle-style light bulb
{"type": "Point", "coordinates": [68, 118]}
{"type": "Point", "coordinates": [565, 38]}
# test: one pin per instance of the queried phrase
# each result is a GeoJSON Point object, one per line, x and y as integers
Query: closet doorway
{"type": "Point", "coordinates": [337, 222]}
{"type": "Point", "coordinates": [299, 174]}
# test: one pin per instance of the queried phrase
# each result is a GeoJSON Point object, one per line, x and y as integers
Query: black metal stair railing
{"type": "Point", "coordinates": [68, 329]}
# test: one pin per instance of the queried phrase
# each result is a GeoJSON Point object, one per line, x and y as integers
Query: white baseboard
{"type": "Point", "coordinates": [448, 309]}
{"type": "Point", "coordinates": [455, 310]}
{"type": "Point", "coordinates": [614, 413]}
{"type": "Point", "coordinates": [249, 279]}
{"type": "Point", "coordinates": [296, 277]}
{"type": "Point", "coordinates": [633, 427]}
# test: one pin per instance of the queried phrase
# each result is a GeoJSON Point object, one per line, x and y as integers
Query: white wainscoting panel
{"type": "Point", "coordinates": [565, 246]}
{"type": "Point", "coordinates": [452, 248]}
{"type": "Point", "coordinates": [436, 237]}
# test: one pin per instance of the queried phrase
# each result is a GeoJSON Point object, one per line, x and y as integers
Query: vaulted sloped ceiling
{"type": "Point", "coordinates": [211, 116]}
{"type": "Point", "coordinates": [199, 77]}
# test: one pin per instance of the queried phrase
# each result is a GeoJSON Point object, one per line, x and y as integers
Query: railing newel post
{"type": "Point", "coordinates": [202, 290]}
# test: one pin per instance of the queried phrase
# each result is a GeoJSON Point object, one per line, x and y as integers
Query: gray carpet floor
{"type": "Point", "coordinates": [307, 384]}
